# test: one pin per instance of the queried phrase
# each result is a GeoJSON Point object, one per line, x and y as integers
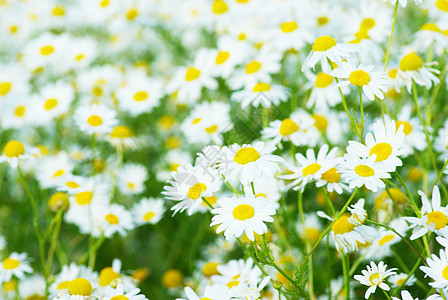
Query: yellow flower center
{"type": "Point", "coordinates": [80, 287]}
{"type": "Point", "coordinates": [374, 279]}
{"type": "Point", "coordinates": [411, 62]}
{"type": "Point", "coordinates": [288, 127]}
{"type": "Point", "coordinates": [253, 67]}
{"type": "Point", "coordinates": [382, 151]}
{"type": "Point", "coordinates": [132, 14]}
{"type": "Point", "coordinates": [407, 127]}
{"type": "Point", "coordinates": [311, 169]}
{"type": "Point", "coordinates": [57, 200]}
{"type": "Point", "coordinates": [79, 57]}
{"type": "Point", "coordinates": [289, 26]}
{"type": "Point", "coordinates": [63, 285]}
{"type": "Point", "coordinates": [166, 121]}
{"type": "Point", "coordinates": [331, 175]}
{"type": "Point", "coordinates": [445, 273]}
{"type": "Point", "coordinates": [196, 121]}
{"type": "Point", "coordinates": [10, 285]}
{"type": "Point", "coordinates": [364, 171]}
{"type": "Point", "coordinates": [58, 11]}
{"type": "Point", "coordinates": [140, 96]}
{"type": "Point", "coordinates": [5, 87]}
{"type": "Point", "coordinates": [261, 87]}
{"type": "Point", "coordinates": [312, 234]}
{"type": "Point", "coordinates": [210, 268]}
{"type": "Point", "coordinates": [192, 74]}
{"type": "Point", "coordinates": [172, 278]}
{"type": "Point", "coordinates": [97, 91]}
{"type": "Point", "coordinates": [400, 281]}
{"type": "Point", "coordinates": [95, 120]}
{"type": "Point", "coordinates": [211, 200]}
{"type": "Point", "coordinates": [442, 5]}
{"type": "Point", "coordinates": [13, 29]}
{"type": "Point", "coordinates": [232, 284]}
{"type": "Point", "coordinates": [324, 43]}
{"type": "Point", "coordinates": [342, 225]}
{"type": "Point", "coordinates": [104, 3]}
{"type": "Point", "coordinates": [112, 219]}
{"type": "Point", "coordinates": [13, 149]}
{"type": "Point", "coordinates": [367, 23]}
{"type": "Point", "coordinates": [393, 73]}
{"type": "Point", "coordinates": [222, 57]}
{"type": "Point", "coordinates": [242, 37]}
{"type": "Point", "coordinates": [10, 263]}
{"type": "Point", "coordinates": [119, 297]}
{"type": "Point", "coordinates": [321, 21]}
{"type": "Point", "coordinates": [320, 122]}
{"type": "Point", "coordinates": [71, 184]}
{"type": "Point", "coordinates": [148, 216]}
{"type": "Point", "coordinates": [107, 275]}
{"type": "Point", "coordinates": [46, 50]}
{"type": "Point", "coordinates": [84, 198]}
{"type": "Point", "coordinates": [121, 132]}
{"type": "Point", "coordinates": [211, 129]}
{"type": "Point", "coordinates": [243, 212]}
{"type": "Point", "coordinates": [219, 7]}
{"type": "Point", "coordinates": [196, 190]}
{"type": "Point", "coordinates": [359, 78]}
{"type": "Point", "coordinates": [438, 218]}
{"type": "Point", "coordinates": [323, 80]}
{"type": "Point", "coordinates": [246, 155]}
{"type": "Point", "coordinates": [431, 27]}
{"type": "Point", "coordinates": [50, 104]}
{"type": "Point", "coordinates": [20, 111]}
{"type": "Point", "coordinates": [386, 239]}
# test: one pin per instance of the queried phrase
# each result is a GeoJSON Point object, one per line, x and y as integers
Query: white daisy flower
{"type": "Point", "coordinates": [111, 279]}
{"type": "Point", "coordinates": [405, 295]}
{"type": "Point", "coordinates": [433, 218]}
{"type": "Point", "coordinates": [53, 101]}
{"type": "Point", "coordinates": [437, 269]}
{"type": "Point", "coordinates": [323, 90]}
{"type": "Point", "coordinates": [380, 247]}
{"type": "Point", "coordinates": [32, 287]}
{"type": "Point", "coordinates": [114, 218]}
{"type": "Point", "coordinates": [77, 289]}
{"type": "Point", "coordinates": [293, 129]}
{"type": "Point", "coordinates": [261, 93]}
{"type": "Point", "coordinates": [372, 83]}
{"type": "Point", "coordinates": [248, 215]}
{"type": "Point", "coordinates": [13, 152]}
{"type": "Point", "coordinates": [249, 161]}
{"type": "Point", "coordinates": [131, 179]}
{"type": "Point", "coordinates": [413, 69]}
{"type": "Point", "coordinates": [72, 184]}
{"type": "Point", "coordinates": [212, 292]}
{"type": "Point", "coordinates": [123, 136]}
{"type": "Point", "coordinates": [50, 168]}
{"type": "Point", "coordinates": [148, 211]}
{"type": "Point", "coordinates": [69, 273]}
{"type": "Point", "coordinates": [374, 277]}
{"type": "Point", "coordinates": [398, 279]}
{"type": "Point", "coordinates": [413, 130]}
{"type": "Point", "coordinates": [119, 293]}
{"type": "Point", "coordinates": [288, 35]}
{"type": "Point", "coordinates": [16, 264]}
{"type": "Point", "coordinates": [18, 113]}
{"type": "Point", "coordinates": [95, 118]}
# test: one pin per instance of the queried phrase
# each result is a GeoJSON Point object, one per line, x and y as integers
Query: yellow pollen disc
{"type": "Point", "coordinates": [364, 171]}
{"type": "Point", "coordinates": [13, 149]}
{"type": "Point", "coordinates": [132, 14]}
{"type": "Point", "coordinates": [407, 127]}
{"type": "Point", "coordinates": [57, 200]}
{"type": "Point", "coordinates": [312, 234]}
{"type": "Point", "coordinates": [260, 195]}
{"type": "Point", "coordinates": [246, 155]}
{"type": "Point", "coordinates": [80, 287]}
{"type": "Point", "coordinates": [415, 174]}
{"type": "Point", "coordinates": [222, 57]}
{"type": "Point", "coordinates": [166, 121]}
{"type": "Point", "coordinates": [331, 175]}
{"type": "Point", "coordinates": [174, 167]}
{"type": "Point", "coordinates": [104, 3]}
{"type": "Point", "coordinates": [122, 132]}
{"type": "Point", "coordinates": [140, 274]}
{"type": "Point", "coordinates": [58, 11]}
{"type": "Point", "coordinates": [97, 91]}
{"type": "Point", "coordinates": [430, 27]}
{"type": "Point", "coordinates": [242, 37]}
{"type": "Point", "coordinates": [140, 96]}
{"type": "Point", "coordinates": [173, 142]}
{"type": "Point", "coordinates": [253, 67]}
{"type": "Point", "coordinates": [382, 151]}
{"type": "Point", "coordinates": [5, 87]}
{"type": "Point", "coordinates": [46, 50]}
{"type": "Point", "coordinates": [442, 5]}
{"type": "Point", "coordinates": [112, 219]}
{"type": "Point", "coordinates": [58, 173]}
{"type": "Point", "coordinates": [10, 285]}
{"type": "Point", "coordinates": [72, 184]}
{"type": "Point", "coordinates": [79, 57]}
{"type": "Point", "coordinates": [320, 122]}
{"type": "Point", "coordinates": [411, 62]}
{"type": "Point", "coordinates": [192, 74]}
{"type": "Point", "coordinates": [10, 263]}
{"type": "Point", "coordinates": [445, 273]}
{"type": "Point", "coordinates": [148, 216]}
{"type": "Point", "coordinates": [84, 198]}
{"type": "Point", "coordinates": [119, 297]}
{"type": "Point", "coordinates": [196, 121]}
{"type": "Point", "coordinates": [20, 111]}
{"type": "Point", "coordinates": [311, 169]}
{"type": "Point", "coordinates": [196, 190]}
{"type": "Point", "coordinates": [321, 21]}
{"type": "Point", "coordinates": [438, 218]}
{"type": "Point", "coordinates": [95, 120]}
{"type": "Point", "coordinates": [219, 7]}
{"type": "Point", "coordinates": [211, 129]}
{"type": "Point", "coordinates": [359, 78]}
{"type": "Point", "coordinates": [131, 185]}
{"type": "Point", "coordinates": [374, 279]}
{"type": "Point", "coordinates": [50, 104]}
{"type": "Point", "coordinates": [386, 239]}
{"type": "Point", "coordinates": [13, 29]}
{"type": "Point", "coordinates": [211, 200]}
{"type": "Point", "coordinates": [288, 127]}
{"type": "Point", "coordinates": [107, 275]}
{"type": "Point", "coordinates": [289, 26]}
{"type": "Point", "coordinates": [44, 150]}
{"type": "Point", "coordinates": [400, 281]}
{"type": "Point", "coordinates": [261, 87]}
{"type": "Point", "coordinates": [232, 284]}
{"type": "Point", "coordinates": [342, 225]}
{"type": "Point", "coordinates": [393, 73]}
{"type": "Point", "coordinates": [63, 285]}
{"type": "Point", "coordinates": [172, 278]}
{"type": "Point", "coordinates": [243, 212]}
{"type": "Point", "coordinates": [210, 268]}
{"type": "Point", "coordinates": [324, 43]}
{"type": "Point", "coordinates": [323, 80]}
{"type": "Point", "coordinates": [367, 23]}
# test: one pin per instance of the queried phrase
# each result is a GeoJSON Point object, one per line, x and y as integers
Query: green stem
{"type": "Point", "coordinates": [55, 236]}
{"type": "Point", "coordinates": [361, 106]}
{"type": "Point", "coordinates": [230, 186]}
{"type": "Point", "coordinates": [439, 176]}
{"type": "Point", "coordinates": [384, 292]}
{"type": "Point", "coordinates": [205, 200]}
{"type": "Point", "coordinates": [408, 193]}
{"type": "Point", "coordinates": [386, 59]}
{"type": "Point", "coordinates": [329, 203]}
{"type": "Point", "coordinates": [346, 276]}
{"type": "Point", "coordinates": [300, 206]}
{"type": "Point", "coordinates": [407, 278]}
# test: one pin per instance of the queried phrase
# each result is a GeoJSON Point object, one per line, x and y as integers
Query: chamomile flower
{"type": "Point", "coordinates": [293, 129]}
{"type": "Point", "coordinates": [131, 179]}
{"type": "Point", "coordinates": [32, 287]}
{"type": "Point", "coordinates": [374, 277]}
{"type": "Point", "coordinates": [51, 168]}
{"type": "Point", "coordinates": [372, 83]}
{"type": "Point", "coordinates": [413, 130]}
{"type": "Point", "coordinates": [16, 264]}
{"type": "Point", "coordinates": [95, 119]}
{"type": "Point", "coordinates": [262, 93]}
{"type": "Point", "coordinates": [325, 49]}
{"type": "Point", "coordinates": [433, 218]}
{"type": "Point", "coordinates": [123, 137]}
{"type": "Point", "coordinates": [398, 280]}
{"type": "Point", "coordinates": [249, 161]}
{"type": "Point", "coordinates": [114, 218]}
{"type": "Point", "coordinates": [248, 215]}
{"type": "Point", "coordinates": [366, 172]}
{"type": "Point", "coordinates": [77, 289]}
{"type": "Point", "coordinates": [310, 167]}
{"type": "Point", "coordinates": [405, 295]}
{"type": "Point", "coordinates": [311, 229]}
{"type": "Point", "coordinates": [380, 247]}
{"type": "Point", "coordinates": [437, 269]}
{"type": "Point", "coordinates": [69, 273]}
{"type": "Point", "coordinates": [119, 293]}
{"type": "Point", "coordinates": [111, 279]}
{"type": "Point", "coordinates": [212, 292]}
{"type": "Point", "coordinates": [148, 211]}
{"type": "Point", "coordinates": [413, 69]}
{"type": "Point", "coordinates": [13, 152]}
{"type": "Point", "coordinates": [288, 35]}
{"type": "Point", "coordinates": [53, 101]}
{"type": "Point", "coordinates": [323, 90]}
{"type": "Point", "coordinates": [18, 113]}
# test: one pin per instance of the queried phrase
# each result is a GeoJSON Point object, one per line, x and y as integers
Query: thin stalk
{"type": "Point", "coordinates": [205, 200]}
{"type": "Point", "coordinates": [408, 192]}
{"type": "Point", "coordinates": [361, 107]}
{"type": "Point", "coordinates": [386, 59]}
{"type": "Point", "coordinates": [230, 186]}
{"type": "Point", "coordinates": [346, 276]}
{"type": "Point", "coordinates": [329, 203]}
{"type": "Point", "coordinates": [438, 177]}
{"type": "Point", "coordinates": [384, 292]}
